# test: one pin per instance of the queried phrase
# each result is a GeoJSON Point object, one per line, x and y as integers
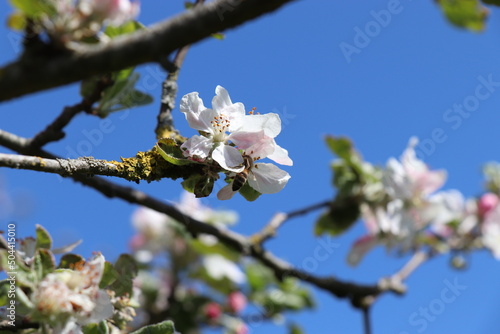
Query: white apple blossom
{"type": "Point", "coordinates": [71, 298]}
{"type": "Point", "coordinates": [410, 178]}
{"type": "Point", "coordinates": [265, 178]}
{"type": "Point", "coordinates": [450, 214]}
{"type": "Point", "coordinates": [390, 226]}
{"type": "Point", "coordinates": [225, 126]}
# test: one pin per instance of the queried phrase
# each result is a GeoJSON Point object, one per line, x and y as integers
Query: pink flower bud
{"type": "Point", "coordinates": [486, 203]}
{"type": "Point", "coordinates": [236, 301]}
{"type": "Point", "coordinates": [212, 311]}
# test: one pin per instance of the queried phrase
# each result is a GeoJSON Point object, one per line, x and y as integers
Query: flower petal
{"type": "Point", "coordinates": [270, 123]}
{"type": "Point", "coordinates": [256, 144]}
{"type": "Point", "coordinates": [197, 147]}
{"type": "Point", "coordinates": [360, 248]}
{"type": "Point", "coordinates": [280, 155]}
{"type": "Point", "coordinates": [228, 158]}
{"type": "Point", "coordinates": [221, 99]}
{"type": "Point", "coordinates": [226, 192]}
{"type": "Point", "coordinates": [192, 106]}
{"type": "Point", "coordinates": [267, 178]}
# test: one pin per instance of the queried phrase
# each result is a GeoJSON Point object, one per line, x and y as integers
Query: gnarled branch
{"type": "Point", "coordinates": [30, 74]}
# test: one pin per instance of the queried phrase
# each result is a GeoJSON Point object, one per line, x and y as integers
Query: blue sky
{"type": "Point", "coordinates": [403, 82]}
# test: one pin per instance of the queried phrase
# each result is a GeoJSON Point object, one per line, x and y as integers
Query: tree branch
{"type": "Point", "coordinates": [32, 73]}
{"type": "Point", "coordinates": [165, 125]}
{"type": "Point", "coordinates": [341, 289]}
{"type": "Point", "coordinates": [280, 218]}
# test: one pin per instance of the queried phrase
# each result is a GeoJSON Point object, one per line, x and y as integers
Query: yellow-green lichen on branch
{"type": "Point", "coordinates": [151, 166]}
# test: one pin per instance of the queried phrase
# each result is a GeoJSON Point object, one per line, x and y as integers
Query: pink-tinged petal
{"type": "Point", "coordinates": [280, 155]}
{"type": "Point", "coordinates": [226, 192]}
{"type": "Point", "coordinates": [197, 115]}
{"type": "Point", "coordinates": [360, 248]}
{"type": "Point", "coordinates": [430, 181]}
{"type": "Point", "coordinates": [269, 123]}
{"type": "Point", "coordinates": [221, 99]}
{"type": "Point", "coordinates": [255, 144]}
{"type": "Point", "coordinates": [243, 139]}
{"type": "Point", "coordinates": [267, 178]}
{"type": "Point", "coordinates": [228, 158]}
{"type": "Point", "coordinates": [486, 203]}
{"type": "Point", "coordinates": [197, 147]}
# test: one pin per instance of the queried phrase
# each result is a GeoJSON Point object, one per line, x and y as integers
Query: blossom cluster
{"type": "Point", "coordinates": [158, 235]}
{"type": "Point", "coordinates": [415, 213]}
{"type": "Point", "coordinates": [235, 141]}
{"type": "Point", "coordinates": [68, 299]}
{"type": "Point", "coordinates": [70, 20]}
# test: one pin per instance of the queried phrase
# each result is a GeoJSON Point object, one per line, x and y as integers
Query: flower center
{"type": "Point", "coordinates": [220, 125]}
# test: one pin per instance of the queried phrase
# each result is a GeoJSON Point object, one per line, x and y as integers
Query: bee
{"type": "Point", "coordinates": [241, 178]}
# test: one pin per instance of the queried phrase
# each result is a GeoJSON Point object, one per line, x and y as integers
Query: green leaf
{"type": "Point", "coordinates": [4, 292]}
{"type": "Point", "coordinates": [165, 327]}
{"type": "Point", "coordinates": [249, 193]}
{"type": "Point", "coordinates": [170, 151]}
{"type": "Point", "coordinates": [469, 14]}
{"type": "Point", "coordinates": [109, 275]}
{"type": "Point", "coordinates": [16, 21]}
{"type": "Point", "coordinates": [293, 328]}
{"type": "Point", "coordinates": [25, 276]}
{"type": "Point", "coordinates": [44, 263]}
{"type": "Point", "coordinates": [343, 213]}
{"type": "Point", "coordinates": [99, 328]}
{"type": "Point", "coordinates": [126, 28]}
{"type": "Point", "coordinates": [204, 186]}
{"type": "Point", "coordinates": [258, 276]}
{"type": "Point", "coordinates": [43, 238]}
{"type": "Point", "coordinates": [189, 183]}
{"type": "Point", "coordinates": [188, 5]}
{"type": "Point", "coordinates": [34, 8]}
{"type": "Point", "coordinates": [24, 304]}
{"type": "Point", "coordinates": [126, 270]}
{"type": "Point", "coordinates": [70, 261]}
{"type": "Point", "coordinates": [340, 146]}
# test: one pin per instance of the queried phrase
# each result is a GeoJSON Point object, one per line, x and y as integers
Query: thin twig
{"type": "Point", "coordinates": [165, 124]}
{"type": "Point", "coordinates": [416, 260]}
{"type": "Point", "coordinates": [366, 320]}
{"type": "Point", "coordinates": [54, 131]}
{"type": "Point", "coordinates": [280, 218]}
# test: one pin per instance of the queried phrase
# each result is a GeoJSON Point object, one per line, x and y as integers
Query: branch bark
{"type": "Point", "coordinates": [33, 73]}
{"type": "Point", "coordinates": [341, 289]}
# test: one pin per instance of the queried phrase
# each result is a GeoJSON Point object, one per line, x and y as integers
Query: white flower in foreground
{"type": "Point", "coordinates": [220, 125]}
{"type": "Point", "coordinates": [71, 298]}
{"type": "Point", "coordinates": [411, 178]}
{"type": "Point", "coordinates": [219, 267]}
{"type": "Point", "coordinates": [266, 178]}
